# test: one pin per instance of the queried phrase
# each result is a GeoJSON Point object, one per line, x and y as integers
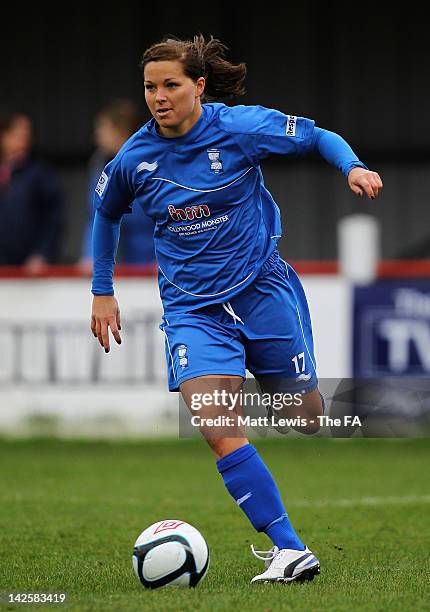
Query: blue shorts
{"type": "Point", "coordinates": [266, 329]}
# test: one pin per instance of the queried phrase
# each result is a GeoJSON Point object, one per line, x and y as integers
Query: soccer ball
{"type": "Point", "coordinates": [170, 553]}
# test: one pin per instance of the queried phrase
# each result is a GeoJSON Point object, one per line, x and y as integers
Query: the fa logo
{"type": "Point", "coordinates": [183, 359]}
{"type": "Point", "coordinates": [216, 163]}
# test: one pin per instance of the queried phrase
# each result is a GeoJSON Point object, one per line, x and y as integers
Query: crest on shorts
{"type": "Point", "coordinates": [183, 358]}
{"type": "Point", "coordinates": [216, 162]}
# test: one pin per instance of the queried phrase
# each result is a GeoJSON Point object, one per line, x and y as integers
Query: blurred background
{"type": "Point", "coordinates": [71, 93]}
{"type": "Point", "coordinates": [363, 74]}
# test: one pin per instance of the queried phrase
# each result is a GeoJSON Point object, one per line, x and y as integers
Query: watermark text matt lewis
{"type": "Point", "coordinates": [265, 421]}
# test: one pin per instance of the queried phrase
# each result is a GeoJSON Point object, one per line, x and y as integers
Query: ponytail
{"type": "Point", "coordinates": [201, 58]}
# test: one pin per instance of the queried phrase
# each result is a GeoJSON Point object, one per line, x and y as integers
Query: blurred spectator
{"type": "Point", "coordinates": [113, 125]}
{"type": "Point", "coordinates": [31, 200]}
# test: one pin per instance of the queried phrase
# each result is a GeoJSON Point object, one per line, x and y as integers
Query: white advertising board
{"type": "Point", "coordinates": [55, 378]}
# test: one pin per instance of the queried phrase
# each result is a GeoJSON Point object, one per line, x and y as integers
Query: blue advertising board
{"type": "Point", "coordinates": [392, 329]}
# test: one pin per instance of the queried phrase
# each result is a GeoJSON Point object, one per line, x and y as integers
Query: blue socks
{"type": "Point", "coordinates": [250, 483]}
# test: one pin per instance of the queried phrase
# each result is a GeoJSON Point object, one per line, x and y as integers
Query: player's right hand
{"type": "Point", "coordinates": [105, 314]}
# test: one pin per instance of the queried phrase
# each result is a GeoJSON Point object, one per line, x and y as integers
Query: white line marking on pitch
{"type": "Point", "coordinates": [361, 501]}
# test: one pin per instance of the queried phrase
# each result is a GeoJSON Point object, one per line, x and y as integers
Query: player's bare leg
{"type": "Point", "coordinates": [308, 410]}
{"type": "Point", "coordinates": [226, 392]}
{"type": "Point", "coordinates": [307, 407]}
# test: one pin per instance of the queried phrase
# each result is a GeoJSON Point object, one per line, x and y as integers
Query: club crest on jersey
{"type": "Point", "coordinates": [183, 359]}
{"type": "Point", "coordinates": [216, 162]}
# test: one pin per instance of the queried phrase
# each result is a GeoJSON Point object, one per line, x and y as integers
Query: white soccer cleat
{"type": "Point", "coordinates": [287, 565]}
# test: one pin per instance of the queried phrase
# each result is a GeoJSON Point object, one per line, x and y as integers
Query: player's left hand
{"type": "Point", "coordinates": [365, 181]}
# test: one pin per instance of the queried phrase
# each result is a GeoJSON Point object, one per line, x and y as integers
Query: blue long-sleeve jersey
{"type": "Point", "coordinates": [215, 221]}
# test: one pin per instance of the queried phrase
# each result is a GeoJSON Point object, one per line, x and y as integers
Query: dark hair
{"type": "Point", "coordinates": [123, 113]}
{"type": "Point", "coordinates": [201, 58]}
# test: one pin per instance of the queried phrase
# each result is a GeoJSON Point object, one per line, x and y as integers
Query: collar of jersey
{"type": "Point", "coordinates": [192, 134]}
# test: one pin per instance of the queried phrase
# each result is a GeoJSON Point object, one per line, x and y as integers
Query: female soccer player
{"type": "Point", "coordinates": [230, 302]}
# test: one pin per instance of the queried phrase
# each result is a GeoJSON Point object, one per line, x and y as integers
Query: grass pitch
{"type": "Point", "coordinates": [71, 511]}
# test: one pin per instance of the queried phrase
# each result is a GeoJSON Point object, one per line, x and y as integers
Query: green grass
{"type": "Point", "coordinates": [71, 511]}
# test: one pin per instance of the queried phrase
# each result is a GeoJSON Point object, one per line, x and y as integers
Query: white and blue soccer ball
{"type": "Point", "coordinates": [170, 553]}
